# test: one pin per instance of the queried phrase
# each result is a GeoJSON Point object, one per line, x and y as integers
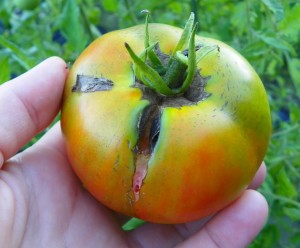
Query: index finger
{"type": "Point", "coordinates": [29, 103]}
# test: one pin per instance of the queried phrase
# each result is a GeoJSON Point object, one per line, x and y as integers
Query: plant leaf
{"type": "Point", "coordinates": [294, 70]}
{"type": "Point", "coordinates": [133, 223]}
{"type": "Point", "coordinates": [5, 69]}
{"type": "Point", "coordinates": [276, 7]}
{"type": "Point", "coordinates": [286, 187]}
{"type": "Point", "coordinates": [18, 54]}
{"type": "Point", "coordinates": [276, 43]}
{"type": "Point", "coordinates": [71, 25]}
{"type": "Point", "coordinates": [110, 5]}
{"type": "Point", "coordinates": [293, 213]}
{"type": "Point", "coordinates": [289, 26]}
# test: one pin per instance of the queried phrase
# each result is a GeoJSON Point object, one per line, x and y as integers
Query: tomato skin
{"type": "Point", "coordinates": [206, 154]}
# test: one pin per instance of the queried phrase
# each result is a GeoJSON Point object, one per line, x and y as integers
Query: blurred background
{"type": "Point", "coordinates": [266, 32]}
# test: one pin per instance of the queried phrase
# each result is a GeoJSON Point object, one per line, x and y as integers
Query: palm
{"type": "Point", "coordinates": [59, 207]}
{"type": "Point", "coordinates": [46, 206]}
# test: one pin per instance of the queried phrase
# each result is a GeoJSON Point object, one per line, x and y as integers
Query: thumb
{"type": "Point", "coordinates": [29, 103]}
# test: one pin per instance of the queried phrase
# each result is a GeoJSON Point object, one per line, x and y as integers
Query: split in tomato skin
{"type": "Point", "coordinates": [205, 153]}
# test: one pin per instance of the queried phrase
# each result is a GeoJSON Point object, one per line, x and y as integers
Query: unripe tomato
{"type": "Point", "coordinates": [160, 157]}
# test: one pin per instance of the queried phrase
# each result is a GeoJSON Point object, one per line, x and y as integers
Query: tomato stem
{"type": "Point", "coordinates": [171, 78]}
{"type": "Point", "coordinates": [148, 75]}
{"type": "Point", "coordinates": [191, 63]}
{"type": "Point", "coordinates": [149, 53]}
{"type": "Point", "coordinates": [175, 73]}
{"type": "Point", "coordinates": [185, 35]}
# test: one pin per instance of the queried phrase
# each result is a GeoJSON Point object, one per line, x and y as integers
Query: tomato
{"type": "Point", "coordinates": [165, 155]}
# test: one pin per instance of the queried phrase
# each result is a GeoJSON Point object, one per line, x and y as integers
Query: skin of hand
{"type": "Point", "coordinates": [43, 204]}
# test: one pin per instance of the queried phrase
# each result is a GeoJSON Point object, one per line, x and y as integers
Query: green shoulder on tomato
{"type": "Point", "coordinates": [162, 158]}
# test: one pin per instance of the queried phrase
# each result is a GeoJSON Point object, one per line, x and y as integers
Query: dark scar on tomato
{"type": "Point", "coordinates": [149, 127]}
{"type": "Point", "coordinates": [91, 84]}
{"type": "Point", "coordinates": [149, 130]}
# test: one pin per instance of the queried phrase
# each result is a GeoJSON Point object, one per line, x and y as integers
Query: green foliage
{"type": "Point", "coordinates": [26, 4]}
{"type": "Point", "coordinates": [266, 32]}
{"type": "Point", "coordinates": [132, 224]}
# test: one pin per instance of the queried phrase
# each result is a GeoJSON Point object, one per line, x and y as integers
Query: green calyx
{"type": "Point", "coordinates": [172, 78]}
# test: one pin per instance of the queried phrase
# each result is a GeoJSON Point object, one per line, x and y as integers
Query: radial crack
{"type": "Point", "coordinates": [149, 128]}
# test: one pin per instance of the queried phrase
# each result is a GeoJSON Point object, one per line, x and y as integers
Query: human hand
{"type": "Point", "coordinates": [43, 204]}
